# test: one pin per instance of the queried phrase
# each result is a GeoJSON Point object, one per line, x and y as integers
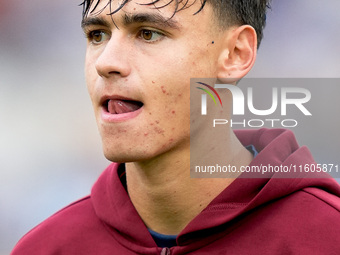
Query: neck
{"type": "Point", "coordinates": [164, 194]}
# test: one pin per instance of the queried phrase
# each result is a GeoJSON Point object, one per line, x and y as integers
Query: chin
{"type": "Point", "coordinates": [121, 156]}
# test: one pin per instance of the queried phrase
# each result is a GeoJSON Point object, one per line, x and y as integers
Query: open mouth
{"type": "Point", "coordinates": [119, 106]}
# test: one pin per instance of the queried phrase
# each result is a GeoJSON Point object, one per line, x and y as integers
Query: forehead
{"type": "Point", "coordinates": [167, 8]}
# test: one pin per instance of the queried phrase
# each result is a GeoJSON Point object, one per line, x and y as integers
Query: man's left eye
{"type": "Point", "coordinates": [150, 35]}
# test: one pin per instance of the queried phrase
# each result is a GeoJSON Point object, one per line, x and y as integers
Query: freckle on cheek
{"type": "Point", "coordinates": [159, 130]}
{"type": "Point", "coordinates": [163, 89]}
{"type": "Point", "coordinates": [157, 122]}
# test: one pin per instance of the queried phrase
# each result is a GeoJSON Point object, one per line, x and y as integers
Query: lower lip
{"type": "Point", "coordinates": [108, 117]}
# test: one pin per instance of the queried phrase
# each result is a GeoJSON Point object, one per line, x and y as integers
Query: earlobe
{"type": "Point", "coordinates": [238, 55]}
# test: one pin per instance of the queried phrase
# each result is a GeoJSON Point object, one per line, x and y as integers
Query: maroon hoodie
{"type": "Point", "coordinates": [251, 216]}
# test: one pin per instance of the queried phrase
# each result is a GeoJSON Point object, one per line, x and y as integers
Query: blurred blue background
{"type": "Point", "coordinates": [50, 150]}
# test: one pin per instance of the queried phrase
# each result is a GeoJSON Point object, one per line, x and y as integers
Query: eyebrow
{"type": "Point", "coordinates": [154, 18]}
{"type": "Point", "coordinates": [130, 19]}
{"type": "Point", "coordinates": [94, 21]}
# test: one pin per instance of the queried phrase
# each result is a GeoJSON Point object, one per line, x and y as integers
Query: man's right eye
{"type": "Point", "coordinates": [97, 36]}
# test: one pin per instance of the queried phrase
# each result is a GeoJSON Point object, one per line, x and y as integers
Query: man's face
{"type": "Point", "coordinates": [138, 75]}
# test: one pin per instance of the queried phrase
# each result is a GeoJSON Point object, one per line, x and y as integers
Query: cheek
{"type": "Point", "coordinates": [176, 109]}
{"type": "Point", "coordinates": [91, 76]}
{"type": "Point", "coordinates": [88, 68]}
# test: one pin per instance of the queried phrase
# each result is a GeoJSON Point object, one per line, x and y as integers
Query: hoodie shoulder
{"type": "Point", "coordinates": [57, 230]}
{"type": "Point", "coordinates": [329, 199]}
{"type": "Point", "coordinates": [87, 226]}
{"type": "Point", "coordinates": [304, 222]}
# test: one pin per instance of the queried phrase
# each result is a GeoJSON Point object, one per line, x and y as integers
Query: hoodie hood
{"type": "Point", "coordinates": [246, 194]}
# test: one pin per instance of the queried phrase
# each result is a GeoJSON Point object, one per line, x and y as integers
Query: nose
{"type": "Point", "coordinates": [114, 60]}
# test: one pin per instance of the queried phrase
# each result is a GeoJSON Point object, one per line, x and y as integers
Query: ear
{"type": "Point", "coordinates": [238, 54]}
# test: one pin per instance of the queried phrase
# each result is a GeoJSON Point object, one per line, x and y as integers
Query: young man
{"type": "Point", "coordinates": [139, 61]}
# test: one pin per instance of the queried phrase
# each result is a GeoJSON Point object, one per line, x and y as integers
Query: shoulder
{"type": "Point", "coordinates": [308, 220]}
{"type": "Point", "coordinates": [60, 230]}
{"type": "Point", "coordinates": [321, 208]}
{"type": "Point", "coordinates": [314, 203]}
{"type": "Point", "coordinates": [324, 197]}
{"type": "Point", "coordinates": [308, 208]}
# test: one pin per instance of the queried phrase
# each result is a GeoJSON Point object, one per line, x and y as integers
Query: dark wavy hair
{"type": "Point", "coordinates": [228, 12]}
